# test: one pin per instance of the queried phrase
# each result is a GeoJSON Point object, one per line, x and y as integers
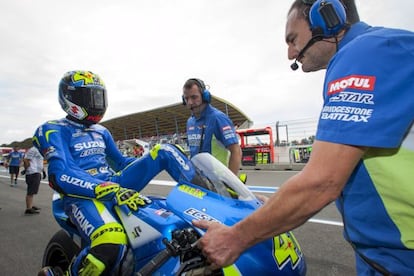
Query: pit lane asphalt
{"type": "Point", "coordinates": [24, 237]}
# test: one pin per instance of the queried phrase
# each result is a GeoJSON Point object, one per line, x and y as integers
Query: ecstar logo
{"type": "Point", "coordinates": [357, 82]}
{"type": "Point", "coordinates": [199, 215]}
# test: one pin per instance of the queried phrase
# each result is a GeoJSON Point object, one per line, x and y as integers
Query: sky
{"type": "Point", "coordinates": [145, 50]}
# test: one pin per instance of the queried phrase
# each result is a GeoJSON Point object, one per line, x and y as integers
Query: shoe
{"type": "Point", "coordinates": [36, 208]}
{"type": "Point", "coordinates": [15, 182]}
{"type": "Point", "coordinates": [51, 271]}
{"type": "Point", "coordinates": [31, 212]}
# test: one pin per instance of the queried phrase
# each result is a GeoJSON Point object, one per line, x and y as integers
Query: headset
{"type": "Point", "coordinates": [205, 94]}
{"type": "Point", "coordinates": [327, 17]}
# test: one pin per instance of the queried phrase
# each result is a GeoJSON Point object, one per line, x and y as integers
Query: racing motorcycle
{"type": "Point", "coordinates": [162, 239]}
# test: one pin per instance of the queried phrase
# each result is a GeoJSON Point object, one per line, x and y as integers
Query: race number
{"type": "Point", "coordinates": [286, 249]}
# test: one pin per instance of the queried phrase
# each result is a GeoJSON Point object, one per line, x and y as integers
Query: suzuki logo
{"type": "Point", "coordinates": [137, 231]}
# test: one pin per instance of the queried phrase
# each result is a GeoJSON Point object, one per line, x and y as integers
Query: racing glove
{"type": "Point", "coordinates": [243, 177]}
{"type": "Point", "coordinates": [130, 198]}
{"type": "Point", "coordinates": [121, 196]}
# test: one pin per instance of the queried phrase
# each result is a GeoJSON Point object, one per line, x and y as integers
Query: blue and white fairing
{"type": "Point", "coordinates": [216, 194]}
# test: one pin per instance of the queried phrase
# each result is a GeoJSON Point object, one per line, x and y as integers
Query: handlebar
{"type": "Point", "coordinates": [182, 241]}
{"type": "Point", "coordinates": [155, 263]}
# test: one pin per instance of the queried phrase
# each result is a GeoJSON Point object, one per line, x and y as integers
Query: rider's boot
{"type": "Point", "coordinates": [89, 265]}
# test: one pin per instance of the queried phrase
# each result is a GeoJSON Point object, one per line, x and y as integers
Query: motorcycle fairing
{"type": "Point", "coordinates": [147, 227]}
{"type": "Point", "coordinates": [278, 254]}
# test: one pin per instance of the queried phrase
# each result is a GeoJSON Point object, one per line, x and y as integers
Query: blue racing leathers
{"type": "Point", "coordinates": [80, 158]}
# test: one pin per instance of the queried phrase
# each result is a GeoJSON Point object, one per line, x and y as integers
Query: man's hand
{"type": "Point", "coordinates": [120, 196]}
{"type": "Point", "coordinates": [219, 244]}
{"type": "Point", "coordinates": [262, 198]}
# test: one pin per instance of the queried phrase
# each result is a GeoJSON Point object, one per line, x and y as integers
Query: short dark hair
{"type": "Point", "coordinates": [191, 82]}
{"type": "Point", "coordinates": [303, 7]}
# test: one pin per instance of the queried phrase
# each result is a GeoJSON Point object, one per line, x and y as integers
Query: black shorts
{"type": "Point", "coordinates": [14, 170]}
{"type": "Point", "coordinates": [33, 182]}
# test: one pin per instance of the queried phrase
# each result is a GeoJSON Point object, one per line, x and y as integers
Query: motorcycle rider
{"type": "Point", "coordinates": [89, 172]}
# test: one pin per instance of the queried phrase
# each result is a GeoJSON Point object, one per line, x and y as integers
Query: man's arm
{"type": "Point", "coordinates": [235, 158]}
{"type": "Point", "coordinates": [26, 159]}
{"type": "Point", "coordinates": [114, 156]}
{"type": "Point", "coordinates": [302, 196]}
{"type": "Point", "coordinates": [26, 163]}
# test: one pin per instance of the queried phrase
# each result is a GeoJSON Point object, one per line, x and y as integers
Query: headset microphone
{"type": "Point", "coordinates": [294, 66]}
{"type": "Point", "coordinates": [317, 35]}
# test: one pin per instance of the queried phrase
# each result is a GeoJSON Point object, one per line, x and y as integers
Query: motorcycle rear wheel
{"type": "Point", "coordinates": [59, 251]}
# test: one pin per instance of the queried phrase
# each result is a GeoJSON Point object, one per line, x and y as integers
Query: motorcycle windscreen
{"type": "Point", "coordinates": [212, 175]}
{"type": "Point", "coordinates": [214, 194]}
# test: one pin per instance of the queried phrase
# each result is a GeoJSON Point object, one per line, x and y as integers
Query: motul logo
{"type": "Point", "coordinates": [353, 82]}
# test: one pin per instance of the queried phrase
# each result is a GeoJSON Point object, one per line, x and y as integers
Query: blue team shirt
{"type": "Point", "coordinates": [15, 158]}
{"type": "Point", "coordinates": [369, 101]}
{"type": "Point", "coordinates": [213, 131]}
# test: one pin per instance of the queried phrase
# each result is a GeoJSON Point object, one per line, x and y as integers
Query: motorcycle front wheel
{"type": "Point", "coordinates": [59, 251]}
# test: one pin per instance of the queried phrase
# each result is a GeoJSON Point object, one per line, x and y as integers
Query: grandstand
{"type": "Point", "coordinates": [162, 124]}
{"type": "Point", "coordinates": [166, 122]}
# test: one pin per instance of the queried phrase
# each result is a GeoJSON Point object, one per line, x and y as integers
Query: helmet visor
{"type": "Point", "coordinates": [97, 98]}
{"type": "Point", "coordinates": [91, 98]}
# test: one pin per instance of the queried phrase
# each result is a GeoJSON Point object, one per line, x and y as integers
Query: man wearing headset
{"type": "Point", "coordinates": [363, 155]}
{"type": "Point", "coordinates": [209, 129]}
{"type": "Point", "coordinates": [91, 174]}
